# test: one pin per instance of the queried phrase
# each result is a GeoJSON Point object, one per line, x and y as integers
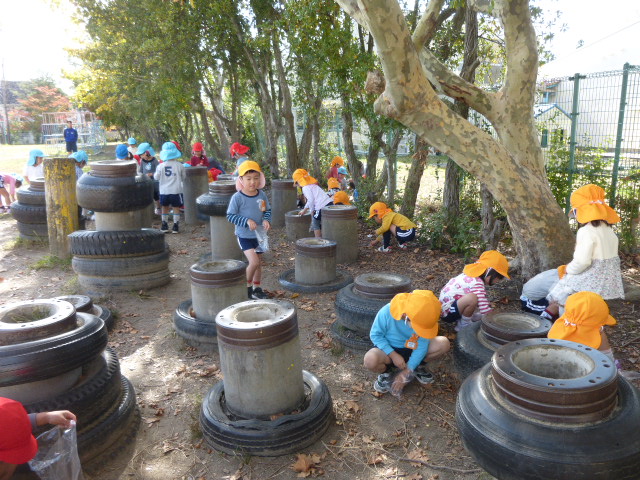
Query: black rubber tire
{"type": "Point", "coordinates": [100, 285]}
{"type": "Point", "coordinates": [48, 317]}
{"type": "Point", "coordinates": [98, 388]}
{"type": "Point", "coordinates": [125, 243]}
{"type": "Point", "coordinates": [468, 353]}
{"type": "Point", "coordinates": [286, 279]}
{"type": "Point", "coordinates": [26, 196]}
{"type": "Point", "coordinates": [113, 168]}
{"type": "Point", "coordinates": [121, 194]}
{"type": "Point", "coordinates": [107, 267]}
{"type": "Point", "coordinates": [33, 231]}
{"type": "Point", "coordinates": [105, 314]}
{"type": "Point", "coordinates": [193, 332]}
{"type": "Point", "coordinates": [107, 430]}
{"type": "Point", "coordinates": [29, 213]}
{"type": "Point", "coordinates": [48, 357]}
{"type": "Point", "coordinates": [513, 447]}
{"type": "Point", "coordinates": [357, 312]}
{"type": "Point", "coordinates": [350, 339]}
{"type": "Point", "coordinates": [213, 205]}
{"type": "Point", "coordinates": [287, 434]}
{"type": "Point", "coordinates": [82, 303]}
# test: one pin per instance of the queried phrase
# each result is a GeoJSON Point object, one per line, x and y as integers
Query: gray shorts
{"type": "Point", "coordinates": [316, 223]}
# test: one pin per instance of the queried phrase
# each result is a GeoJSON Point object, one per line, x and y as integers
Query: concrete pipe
{"type": "Point", "coordinates": [225, 176]}
{"type": "Point", "coordinates": [215, 285]}
{"type": "Point", "coordinates": [260, 358]}
{"type": "Point", "coordinates": [283, 199]}
{"type": "Point", "coordinates": [340, 224]}
{"type": "Point", "coordinates": [297, 226]}
{"type": "Point", "coordinates": [315, 261]}
{"type": "Point", "coordinates": [113, 221]}
{"type": "Point", "coordinates": [195, 184]}
{"type": "Point", "coordinates": [224, 244]}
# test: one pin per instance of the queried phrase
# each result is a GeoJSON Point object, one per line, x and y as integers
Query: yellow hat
{"type": "Point", "coordinates": [248, 165]}
{"type": "Point", "coordinates": [380, 209]}
{"type": "Point", "coordinates": [423, 309]}
{"type": "Point", "coordinates": [302, 177]}
{"type": "Point", "coordinates": [489, 259]}
{"type": "Point", "coordinates": [585, 313]}
{"type": "Point", "coordinates": [562, 271]}
{"type": "Point", "coordinates": [337, 161]}
{"type": "Point", "coordinates": [341, 197]}
{"type": "Point", "coordinates": [333, 183]}
{"type": "Point", "coordinates": [589, 203]}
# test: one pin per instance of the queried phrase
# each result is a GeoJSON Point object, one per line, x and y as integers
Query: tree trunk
{"type": "Point", "coordinates": [375, 139]}
{"type": "Point", "coordinates": [354, 165]}
{"type": "Point", "coordinates": [307, 135]}
{"type": "Point", "coordinates": [451, 192]}
{"type": "Point", "coordinates": [315, 169]}
{"type": "Point", "coordinates": [492, 228]}
{"type": "Point", "coordinates": [412, 185]}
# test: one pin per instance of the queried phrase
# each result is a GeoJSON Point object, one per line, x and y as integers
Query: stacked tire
{"type": "Point", "coordinates": [55, 358]}
{"type": "Point", "coordinates": [30, 211]}
{"type": "Point", "coordinates": [358, 303]}
{"type": "Point", "coordinates": [119, 255]}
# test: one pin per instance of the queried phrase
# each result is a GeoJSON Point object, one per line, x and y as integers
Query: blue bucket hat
{"type": "Point", "coordinates": [146, 147]}
{"type": "Point", "coordinates": [122, 152]}
{"type": "Point", "coordinates": [131, 141]}
{"type": "Point", "coordinates": [33, 154]}
{"type": "Point", "coordinates": [80, 156]}
{"type": "Point", "coordinates": [169, 152]}
{"type": "Point", "coordinates": [343, 171]}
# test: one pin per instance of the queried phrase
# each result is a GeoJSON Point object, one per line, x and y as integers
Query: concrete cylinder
{"type": "Point", "coordinates": [283, 199]}
{"type": "Point", "coordinates": [195, 184]}
{"type": "Point", "coordinates": [111, 221]}
{"type": "Point", "coordinates": [297, 226]}
{"type": "Point", "coordinates": [225, 176]}
{"type": "Point", "coordinates": [340, 224]}
{"type": "Point", "coordinates": [260, 358]}
{"type": "Point", "coordinates": [216, 285]}
{"type": "Point", "coordinates": [224, 244]}
{"type": "Point", "coordinates": [315, 261]}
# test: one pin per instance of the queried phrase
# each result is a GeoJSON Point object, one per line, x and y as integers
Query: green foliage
{"type": "Point", "coordinates": [51, 261]}
{"type": "Point", "coordinates": [461, 234]}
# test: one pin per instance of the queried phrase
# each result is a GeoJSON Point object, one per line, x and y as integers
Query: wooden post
{"type": "Point", "coordinates": [62, 203]}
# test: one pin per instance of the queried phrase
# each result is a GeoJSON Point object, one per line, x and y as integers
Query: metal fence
{"type": "Point", "coordinates": [91, 132]}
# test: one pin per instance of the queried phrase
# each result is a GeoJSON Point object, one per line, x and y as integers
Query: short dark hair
{"type": "Point", "coordinates": [597, 223]}
{"type": "Point", "coordinates": [250, 171]}
{"type": "Point", "coordinates": [18, 183]}
{"type": "Point", "coordinates": [491, 273]}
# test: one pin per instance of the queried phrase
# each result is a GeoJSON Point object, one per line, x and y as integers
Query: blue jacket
{"type": "Point", "coordinates": [388, 333]}
{"type": "Point", "coordinates": [70, 135]}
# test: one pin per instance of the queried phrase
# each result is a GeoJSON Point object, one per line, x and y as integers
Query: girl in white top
{"type": "Point", "coordinates": [35, 167]}
{"type": "Point", "coordinates": [316, 199]}
{"type": "Point", "coordinates": [596, 265]}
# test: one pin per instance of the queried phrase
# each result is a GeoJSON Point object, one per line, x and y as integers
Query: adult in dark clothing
{"type": "Point", "coordinates": [71, 137]}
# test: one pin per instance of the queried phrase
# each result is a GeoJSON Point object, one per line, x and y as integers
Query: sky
{"type": "Point", "coordinates": [33, 36]}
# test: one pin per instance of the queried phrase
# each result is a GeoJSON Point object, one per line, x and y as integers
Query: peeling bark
{"type": "Point", "coordinates": [414, 178]}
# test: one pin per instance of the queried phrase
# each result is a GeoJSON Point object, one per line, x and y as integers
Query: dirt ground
{"type": "Point", "coordinates": [373, 436]}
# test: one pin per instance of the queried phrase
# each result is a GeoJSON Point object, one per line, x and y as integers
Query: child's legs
{"type": "Point", "coordinates": [316, 224]}
{"type": "Point", "coordinates": [468, 304]}
{"type": "Point", "coordinates": [254, 269]}
{"type": "Point", "coordinates": [403, 236]}
{"type": "Point", "coordinates": [438, 346]}
{"type": "Point", "coordinates": [375, 360]}
{"type": "Point", "coordinates": [386, 238]}
{"type": "Point", "coordinates": [5, 195]}
{"type": "Point", "coordinates": [176, 203]}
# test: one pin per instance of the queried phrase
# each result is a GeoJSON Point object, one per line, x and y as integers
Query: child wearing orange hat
{"type": "Point", "coordinates": [595, 266]}
{"type": "Point", "coordinates": [17, 443]}
{"type": "Point", "coordinates": [403, 229]}
{"type": "Point", "coordinates": [336, 163]}
{"type": "Point", "coordinates": [464, 298]}
{"type": "Point", "coordinates": [405, 335]}
{"type": "Point", "coordinates": [583, 320]}
{"type": "Point", "coordinates": [333, 186]}
{"type": "Point", "coordinates": [341, 198]}
{"type": "Point", "coordinates": [317, 199]}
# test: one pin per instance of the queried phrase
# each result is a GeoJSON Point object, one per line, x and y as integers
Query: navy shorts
{"type": "Point", "coordinates": [172, 200]}
{"type": "Point", "coordinates": [534, 306]}
{"type": "Point", "coordinates": [248, 243]}
{"type": "Point", "coordinates": [405, 353]}
{"type": "Point", "coordinates": [453, 314]}
{"type": "Point", "coordinates": [72, 146]}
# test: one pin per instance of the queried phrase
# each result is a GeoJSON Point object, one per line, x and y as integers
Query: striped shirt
{"type": "Point", "coordinates": [243, 207]}
{"type": "Point", "coordinates": [459, 286]}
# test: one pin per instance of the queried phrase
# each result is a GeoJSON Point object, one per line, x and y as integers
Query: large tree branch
{"type": "Point", "coordinates": [426, 27]}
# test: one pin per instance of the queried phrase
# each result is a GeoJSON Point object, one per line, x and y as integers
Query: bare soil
{"type": "Point", "coordinates": [373, 436]}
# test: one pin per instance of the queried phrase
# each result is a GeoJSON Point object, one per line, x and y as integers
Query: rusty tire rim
{"type": "Point", "coordinates": [381, 284]}
{"type": "Point", "coordinates": [505, 327]}
{"type": "Point", "coordinates": [316, 247]}
{"type": "Point", "coordinates": [217, 273]}
{"type": "Point", "coordinates": [35, 319]}
{"type": "Point", "coordinates": [114, 168]}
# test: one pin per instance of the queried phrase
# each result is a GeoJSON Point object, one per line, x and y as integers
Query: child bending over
{"type": "Point", "coordinates": [403, 229]}
{"type": "Point", "coordinates": [317, 199]}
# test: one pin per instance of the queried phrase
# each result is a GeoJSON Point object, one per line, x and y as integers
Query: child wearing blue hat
{"type": "Point", "coordinates": [122, 152]}
{"type": "Point", "coordinates": [148, 166]}
{"type": "Point", "coordinates": [342, 178]}
{"type": "Point", "coordinates": [170, 175]}
{"type": "Point", "coordinates": [35, 167]}
{"type": "Point", "coordinates": [81, 159]}
{"type": "Point", "coordinates": [131, 148]}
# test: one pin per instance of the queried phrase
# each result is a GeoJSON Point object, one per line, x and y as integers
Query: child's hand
{"type": "Point", "coordinates": [251, 224]}
{"type": "Point", "coordinates": [60, 417]}
{"type": "Point", "coordinates": [372, 243]}
{"type": "Point", "coordinates": [397, 360]}
{"type": "Point", "coordinates": [400, 381]}
{"type": "Point", "coordinates": [266, 225]}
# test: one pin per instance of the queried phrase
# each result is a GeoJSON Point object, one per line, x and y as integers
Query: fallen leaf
{"type": "Point", "coordinates": [414, 476]}
{"type": "Point", "coordinates": [303, 464]}
{"type": "Point", "coordinates": [167, 447]}
{"type": "Point", "coordinates": [295, 295]}
{"type": "Point", "coordinates": [351, 405]}
{"type": "Point", "coordinates": [375, 459]}
{"type": "Point", "coordinates": [418, 454]}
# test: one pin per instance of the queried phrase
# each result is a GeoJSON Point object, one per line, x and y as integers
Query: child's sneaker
{"type": "Point", "coordinates": [423, 376]}
{"type": "Point", "coordinates": [382, 383]}
{"type": "Point", "coordinates": [403, 246]}
{"type": "Point", "coordinates": [462, 323]}
{"type": "Point", "coordinates": [258, 294]}
{"type": "Point", "coordinates": [164, 228]}
{"type": "Point", "coordinates": [175, 229]}
{"type": "Point", "coordinates": [385, 250]}
{"type": "Point", "coordinates": [250, 292]}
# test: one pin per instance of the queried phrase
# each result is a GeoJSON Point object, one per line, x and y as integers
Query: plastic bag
{"type": "Point", "coordinates": [57, 456]}
{"type": "Point", "coordinates": [263, 239]}
{"type": "Point", "coordinates": [399, 381]}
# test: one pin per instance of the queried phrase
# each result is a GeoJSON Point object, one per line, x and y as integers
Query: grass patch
{"type": "Point", "coordinates": [20, 242]}
{"type": "Point", "coordinates": [337, 349]}
{"type": "Point", "coordinates": [72, 287]}
{"type": "Point", "coordinates": [51, 261]}
{"type": "Point", "coordinates": [28, 315]}
{"type": "Point", "coordinates": [194, 426]}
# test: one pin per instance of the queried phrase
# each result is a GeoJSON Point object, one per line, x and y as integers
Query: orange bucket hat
{"type": "Point", "coordinates": [246, 166]}
{"type": "Point", "coordinates": [585, 313]}
{"type": "Point", "coordinates": [423, 309]}
{"type": "Point", "coordinates": [341, 197]}
{"type": "Point", "coordinates": [333, 183]}
{"type": "Point", "coordinates": [489, 259]}
{"type": "Point", "coordinates": [302, 177]}
{"type": "Point", "coordinates": [337, 161]}
{"type": "Point", "coordinates": [380, 209]}
{"type": "Point", "coordinates": [589, 203]}
{"type": "Point", "coordinates": [562, 271]}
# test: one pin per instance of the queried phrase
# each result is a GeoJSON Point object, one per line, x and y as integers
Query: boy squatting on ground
{"type": "Point", "coordinates": [170, 174]}
{"type": "Point", "coordinates": [397, 224]}
{"type": "Point", "coordinates": [535, 290]}
{"type": "Point", "coordinates": [464, 298]}
{"type": "Point", "coordinates": [248, 209]}
{"type": "Point", "coordinates": [405, 335]}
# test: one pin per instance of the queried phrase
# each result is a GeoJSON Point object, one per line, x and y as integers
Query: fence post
{"type": "Point", "coordinates": [572, 139]}
{"type": "Point", "coordinates": [62, 203]}
{"type": "Point", "coordinates": [616, 156]}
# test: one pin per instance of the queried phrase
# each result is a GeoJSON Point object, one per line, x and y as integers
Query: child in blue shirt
{"type": "Point", "coordinates": [405, 335]}
{"type": "Point", "coordinates": [249, 211]}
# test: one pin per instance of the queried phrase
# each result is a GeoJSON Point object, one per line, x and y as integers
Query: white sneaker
{"type": "Point", "coordinates": [462, 323]}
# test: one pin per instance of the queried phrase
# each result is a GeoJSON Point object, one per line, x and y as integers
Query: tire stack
{"type": "Point", "coordinates": [54, 358]}
{"type": "Point", "coordinates": [30, 211]}
{"type": "Point", "coordinates": [358, 303]}
{"type": "Point", "coordinates": [84, 304]}
{"type": "Point", "coordinates": [119, 255]}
